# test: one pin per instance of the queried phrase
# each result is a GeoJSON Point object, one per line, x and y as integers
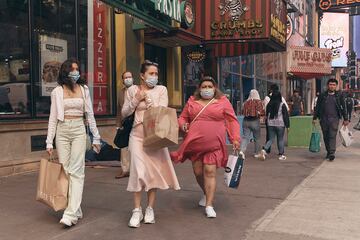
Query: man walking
{"type": "Point", "coordinates": [128, 81]}
{"type": "Point", "coordinates": [297, 105]}
{"type": "Point", "coordinates": [330, 108]}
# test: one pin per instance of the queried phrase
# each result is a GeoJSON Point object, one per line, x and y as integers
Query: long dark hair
{"type": "Point", "coordinates": [274, 104]}
{"type": "Point", "coordinates": [218, 93]}
{"type": "Point", "coordinates": [64, 78]}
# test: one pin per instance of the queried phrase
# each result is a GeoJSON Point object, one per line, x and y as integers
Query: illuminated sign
{"type": "Point", "coordinates": [171, 8]}
{"type": "Point", "coordinates": [334, 35]}
{"type": "Point", "coordinates": [330, 4]}
{"type": "Point", "coordinates": [278, 29]}
{"type": "Point", "coordinates": [238, 28]}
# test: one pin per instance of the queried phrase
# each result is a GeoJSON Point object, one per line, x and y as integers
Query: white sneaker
{"type": "Point", "coordinates": [242, 154]}
{"type": "Point", "coordinates": [262, 154]}
{"type": "Point", "coordinates": [210, 212]}
{"type": "Point", "coordinates": [136, 218]}
{"type": "Point", "coordinates": [66, 222]}
{"type": "Point", "coordinates": [259, 155]}
{"type": "Point", "coordinates": [282, 158]}
{"type": "Point", "coordinates": [202, 202]}
{"type": "Point", "coordinates": [149, 216]}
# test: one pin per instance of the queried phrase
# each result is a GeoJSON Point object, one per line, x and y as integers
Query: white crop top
{"type": "Point", "coordinates": [74, 107]}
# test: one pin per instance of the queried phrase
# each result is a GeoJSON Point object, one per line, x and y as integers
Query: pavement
{"type": "Point", "coordinates": [302, 198]}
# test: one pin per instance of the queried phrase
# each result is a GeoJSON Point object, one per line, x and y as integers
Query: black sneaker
{"type": "Point", "coordinates": [327, 156]}
{"type": "Point", "coordinates": [331, 157]}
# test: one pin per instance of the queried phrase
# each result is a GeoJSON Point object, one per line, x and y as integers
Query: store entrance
{"type": "Point", "coordinates": [157, 55]}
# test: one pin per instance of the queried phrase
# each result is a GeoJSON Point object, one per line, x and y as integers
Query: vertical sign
{"type": "Point", "coordinates": [100, 81]}
{"type": "Point", "coordinates": [334, 35]}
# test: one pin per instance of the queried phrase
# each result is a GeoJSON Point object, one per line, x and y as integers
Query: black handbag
{"type": "Point", "coordinates": [122, 136]}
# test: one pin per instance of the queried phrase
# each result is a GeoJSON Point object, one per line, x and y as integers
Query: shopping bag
{"type": "Point", "coordinates": [315, 140]}
{"type": "Point", "coordinates": [161, 128]}
{"type": "Point", "coordinates": [53, 185]}
{"type": "Point", "coordinates": [233, 170]}
{"type": "Point", "coordinates": [346, 136]}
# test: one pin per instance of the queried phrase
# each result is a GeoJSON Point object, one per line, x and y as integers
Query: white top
{"type": "Point", "coordinates": [74, 107]}
{"type": "Point", "coordinates": [267, 100]}
{"type": "Point", "coordinates": [57, 113]}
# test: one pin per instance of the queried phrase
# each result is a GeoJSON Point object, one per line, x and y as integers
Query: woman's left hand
{"type": "Point", "coordinates": [236, 145]}
{"type": "Point", "coordinates": [96, 147]}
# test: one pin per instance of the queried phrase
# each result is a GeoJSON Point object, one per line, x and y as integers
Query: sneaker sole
{"type": "Point", "coordinates": [150, 222]}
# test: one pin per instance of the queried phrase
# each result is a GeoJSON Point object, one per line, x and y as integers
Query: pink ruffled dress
{"type": "Point", "coordinates": [206, 139]}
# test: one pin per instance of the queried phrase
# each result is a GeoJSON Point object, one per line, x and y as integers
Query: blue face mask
{"type": "Point", "coordinates": [151, 81]}
{"type": "Point", "coordinates": [207, 93]}
{"type": "Point", "coordinates": [74, 75]}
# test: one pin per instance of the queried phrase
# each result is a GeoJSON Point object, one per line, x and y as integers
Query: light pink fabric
{"type": "Point", "coordinates": [205, 140]}
{"type": "Point", "coordinates": [149, 169]}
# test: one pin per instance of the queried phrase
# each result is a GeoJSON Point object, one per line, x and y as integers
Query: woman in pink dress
{"type": "Point", "coordinates": [205, 143]}
{"type": "Point", "coordinates": [149, 169]}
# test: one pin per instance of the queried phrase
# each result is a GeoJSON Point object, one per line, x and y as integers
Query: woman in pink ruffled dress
{"type": "Point", "coordinates": [206, 118]}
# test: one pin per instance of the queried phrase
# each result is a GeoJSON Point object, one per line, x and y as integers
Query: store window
{"type": "Point", "coordinates": [59, 29]}
{"type": "Point", "coordinates": [14, 59]}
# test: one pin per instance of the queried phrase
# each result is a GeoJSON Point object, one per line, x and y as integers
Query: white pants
{"type": "Point", "coordinates": [71, 145]}
{"type": "Point", "coordinates": [125, 159]}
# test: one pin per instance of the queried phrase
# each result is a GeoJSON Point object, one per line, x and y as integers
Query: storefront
{"type": "Point", "coordinates": [108, 37]}
{"type": "Point", "coordinates": [242, 41]}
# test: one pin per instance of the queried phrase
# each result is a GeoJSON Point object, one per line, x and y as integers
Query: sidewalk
{"type": "Point", "coordinates": [326, 205]}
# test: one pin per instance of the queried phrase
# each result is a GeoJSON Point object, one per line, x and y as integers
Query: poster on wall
{"type": "Point", "coordinates": [334, 35]}
{"type": "Point", "coordinates": [53, 54]}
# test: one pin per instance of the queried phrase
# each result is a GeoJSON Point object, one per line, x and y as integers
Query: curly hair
{"type": "Point", "coordinates": [64, 78]}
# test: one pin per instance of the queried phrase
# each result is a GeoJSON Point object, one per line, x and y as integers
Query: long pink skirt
{"type": "Point", "coordinates": [149, 169]}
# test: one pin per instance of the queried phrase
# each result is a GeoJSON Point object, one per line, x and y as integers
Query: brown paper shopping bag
{"type": "Point", "coordinates": [53, 185]}
{"type": "Point", "coordinates": [161, 128]}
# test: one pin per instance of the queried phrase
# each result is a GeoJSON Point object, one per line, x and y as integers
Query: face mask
{"type": "Point", "coordinates": [207, 93]}
{"type": "Point", "coordinates": [128, 82]}
{"type": "Point", "coordinates": [151, 81]}
{"type": "Point", "coordinates": [74, 75]}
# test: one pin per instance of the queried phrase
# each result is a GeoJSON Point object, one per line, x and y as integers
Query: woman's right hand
{"type": "Point", "coordinates": [140, 95]}
{"type": "Point", "coordinates": [50, 151]}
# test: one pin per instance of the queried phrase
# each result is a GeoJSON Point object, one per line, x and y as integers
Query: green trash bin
{"type": "Point", "coordinates": [300, 131]}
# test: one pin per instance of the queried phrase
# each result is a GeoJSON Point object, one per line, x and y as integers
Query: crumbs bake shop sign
{"type": "Point", "coordinates": [235, 26]}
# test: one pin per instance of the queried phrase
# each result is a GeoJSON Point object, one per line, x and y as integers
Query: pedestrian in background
{"type": "Point", "coordinates": [277, 118]}
{"type": "Point", "coordinates": [70, 101]}
{"type": "Point", "coordinates": [314, 101]}
{"type": "Point", "coordinates": [273, 88]}
{"type": "Point", "coordinates": [252, 110]}
{"type": "Point", "coordinates": [206, 118]}
{"type": "Point", "coordinates": [297, 104]}
{"type": "Point", "coordinates": [330, 108]}
{"type": "Point", "coordinates": [128, 81]}
{"type": "Point", "coordinates": [149, 169]}
{"type": "Point", "coordinates": [349, 102]}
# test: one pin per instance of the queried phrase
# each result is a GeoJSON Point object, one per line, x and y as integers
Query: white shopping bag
{"type": "Point", "coordinates": [346, 136]}
{"type": "Point", "coordinates": [233, 170]}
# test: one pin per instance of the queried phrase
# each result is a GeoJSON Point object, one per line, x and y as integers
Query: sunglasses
{"type": "Point", "coordinates": [151, 63]}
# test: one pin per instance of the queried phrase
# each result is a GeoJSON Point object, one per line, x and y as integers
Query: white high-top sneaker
{"type": "Point", "coordinates": [210, 212]}
{"type": "Point", "coordinates": [136, 218]}
{"type": "Point", "coordinates": [149, 216]}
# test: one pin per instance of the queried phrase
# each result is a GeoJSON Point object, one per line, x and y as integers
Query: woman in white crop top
{"type": "Point", "coordinates": [70, 101]}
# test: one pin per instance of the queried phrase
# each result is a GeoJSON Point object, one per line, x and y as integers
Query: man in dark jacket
{"type": "Point", "coordinates": [330, 108]}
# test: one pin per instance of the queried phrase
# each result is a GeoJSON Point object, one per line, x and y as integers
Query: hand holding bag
{"type": "Point", "coordinates": [315, 140]}
{"type": "Point", "coordinates": [53, 185]}
{"type": "Point", "coordinates": [233, 170]}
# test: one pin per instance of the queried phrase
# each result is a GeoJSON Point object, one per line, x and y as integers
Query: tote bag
{"type": "Point", "coordinates": [53, 185]}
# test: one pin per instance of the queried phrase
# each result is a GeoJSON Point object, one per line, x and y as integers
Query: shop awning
{"type": "Point", "coordinates": [176, 37]}
{"type": "Point", "coordinates": [308, 62]}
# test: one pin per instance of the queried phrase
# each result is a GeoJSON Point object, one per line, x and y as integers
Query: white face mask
{"type": "Point", "coordinates": [128, 82]}
{"type": "Point", "coordinates": [207, 93]}
{"type": "Point", "coordinates": [151, 81]}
